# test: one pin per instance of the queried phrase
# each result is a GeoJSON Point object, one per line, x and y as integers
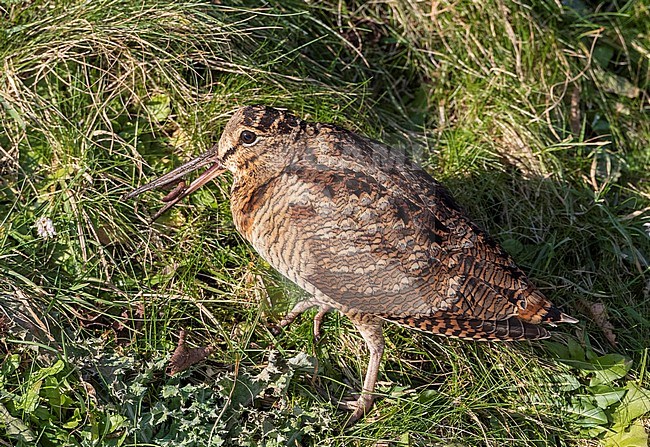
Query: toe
{"type": "Point", "coordinates": [318, 320]}
{"type": "Point", "coordinates": [359, 407]}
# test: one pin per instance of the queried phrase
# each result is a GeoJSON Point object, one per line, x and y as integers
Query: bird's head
{"type": "Point", "coordinates": [258, 139]}
{"type": "Point", "coordinates": [255, 144]}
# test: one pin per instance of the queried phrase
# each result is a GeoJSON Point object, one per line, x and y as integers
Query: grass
{"type": "Point", "coordinates": [536, 118]}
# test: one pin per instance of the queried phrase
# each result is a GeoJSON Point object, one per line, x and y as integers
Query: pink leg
{"type": "Point", "coordinates": [318, 320]}
{"type": "Point", "coordinates": [302, 306]}
{"type": "Point", "coordinates": [373, 335]}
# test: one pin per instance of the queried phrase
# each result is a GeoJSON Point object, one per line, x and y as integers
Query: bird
{"type": "Point", "coordinates": [366, 231]}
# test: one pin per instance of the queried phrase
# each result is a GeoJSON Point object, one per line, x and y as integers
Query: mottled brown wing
{"type": "Point", "coordinates": [379, 249]}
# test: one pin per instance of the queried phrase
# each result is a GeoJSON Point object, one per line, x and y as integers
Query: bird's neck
{"type": "Point", "coordinates": [248, 193]}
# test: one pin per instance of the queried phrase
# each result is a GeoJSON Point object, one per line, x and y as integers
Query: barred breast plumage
{"type": "Point", "coordinates": [367, 232]}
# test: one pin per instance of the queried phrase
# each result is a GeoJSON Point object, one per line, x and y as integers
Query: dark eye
{"type": "Point", "coordinates": [247, 137]}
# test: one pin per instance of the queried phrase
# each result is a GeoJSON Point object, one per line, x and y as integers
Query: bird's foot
{"type": "Point", "coordinates": [359, 407]}
{"type": "Point", "coordinates": [299, 308]}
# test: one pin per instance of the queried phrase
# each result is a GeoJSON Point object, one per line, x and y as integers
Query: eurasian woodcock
{"type": "Point", "coordinates": [366, 232]}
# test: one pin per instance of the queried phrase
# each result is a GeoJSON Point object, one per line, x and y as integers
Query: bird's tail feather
{"type": "Point", "coordinates": [540, 310]}
{"type": "Point", "coordinates": [472, 329]}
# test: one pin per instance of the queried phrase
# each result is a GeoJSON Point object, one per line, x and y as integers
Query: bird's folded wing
{"type": "Point", "coordinates": [379, 249]}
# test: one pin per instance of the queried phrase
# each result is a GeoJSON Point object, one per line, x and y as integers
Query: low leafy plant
{"type": "Point", "coordinates": [50, 405]}
{"type": "Point", "coordinates": [604, 400]}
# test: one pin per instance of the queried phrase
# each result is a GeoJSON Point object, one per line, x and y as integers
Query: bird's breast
{"type": "Point", "coordinates": [270, 215]}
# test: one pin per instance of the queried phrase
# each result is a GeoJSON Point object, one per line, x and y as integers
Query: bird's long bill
{"type": "Point", "coordinates": [207, 158]}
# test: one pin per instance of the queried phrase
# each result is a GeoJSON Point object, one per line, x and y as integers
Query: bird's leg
{"type": "Point", "coordinates": [302, 306]}
{"type": "Point", "coordinates": [297, 309]}
{"type": "Point", "coordinates": [318, 319]}
{"type": "Point", "coordinates": [371, 331]}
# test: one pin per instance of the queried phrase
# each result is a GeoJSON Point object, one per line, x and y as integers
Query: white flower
{"type": "Point", "coordinates": [45, 227]}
